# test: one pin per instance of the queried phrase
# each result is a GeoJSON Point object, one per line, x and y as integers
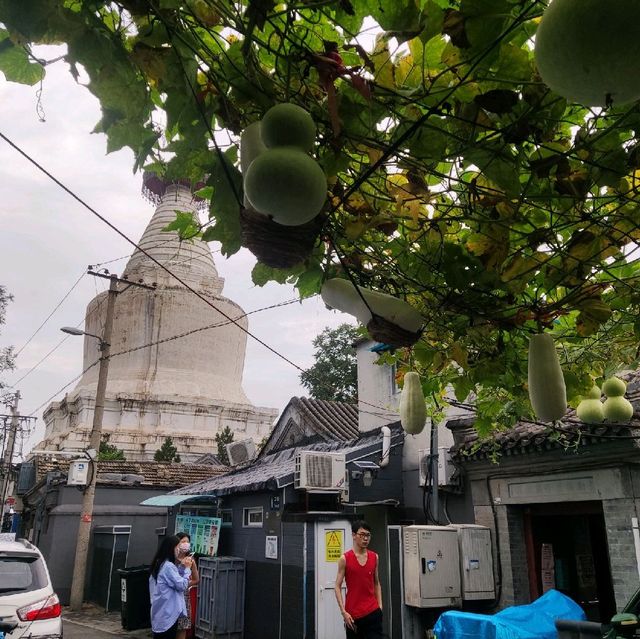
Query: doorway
{"type": "Point", "coordinates": [567, 550]}
{"type": "Point", "coordinates": [333, 538]}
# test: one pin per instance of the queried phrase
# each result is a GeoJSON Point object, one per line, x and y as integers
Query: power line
{"type": "Point", "coordinates": [33, 368]}
{"type": "Point", "coordinates": [162, 266]}
{"type": "Point", "coordinates": [144, 252]}
{"type": "Point", "coordinates": [57, 306]}
{"type": "Point", "coordinates": [75, 379]}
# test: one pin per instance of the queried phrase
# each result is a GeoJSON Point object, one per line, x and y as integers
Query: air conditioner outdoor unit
{"type": "Point", "coordinates": [446, 468]}
{"type": "Point", "coordinates": [241, 452]}
{"type": "Point", "coordinates": [320, 472]}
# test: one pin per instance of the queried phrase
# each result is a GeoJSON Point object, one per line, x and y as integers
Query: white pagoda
{"type": "Point", "coordinates": [176, 363]}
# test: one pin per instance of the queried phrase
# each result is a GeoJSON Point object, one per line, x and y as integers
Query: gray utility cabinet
{"type": "Point", "coordinates": [220, 598]}
{"type": "Point", "coordinates": [476, 562]}
{"type": "Point", "coordinates": [431, 567]}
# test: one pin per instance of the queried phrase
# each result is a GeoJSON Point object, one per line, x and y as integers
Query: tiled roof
{"type": "Point", "coordinates": [526, 437]}
{"type": "Point", "coordinates": [163, 474]}
{"type": "Point", "coordinates": [333, 421]}
{"type": "Point", "coordinates": [276, 469]}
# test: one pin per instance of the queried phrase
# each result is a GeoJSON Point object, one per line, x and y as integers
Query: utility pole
{"type": "Point", "coordinates": [8, 451]}
{"type": "Point", "coordinates": [86, 513]}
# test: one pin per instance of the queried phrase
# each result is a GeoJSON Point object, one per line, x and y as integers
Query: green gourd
{"type": "Point", "coordinates": [587, 50]}
{"type": "Point", "coordinates": [590, 411]}
{"type": "Point", "coordinates": [614, 387]}
{"type": "Point", "coordinates": [286, 184]}
{"type": "Point", "coordinates": [618, 410]}
{"type": "Point", "coordinates": [413, 409]}
{"type": "Point", "coordinates": [342, 295]}
{"type": "Point", "coordinates": [251, 146]}
{"type": "Point", "coordinates": [547, 390]}
{"type": "Point", "coordinates": [594, 393]}
{"type": "Point", "coordinates": [288, 124]}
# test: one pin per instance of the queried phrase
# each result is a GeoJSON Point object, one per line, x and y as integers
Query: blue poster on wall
{"type": "Point", "coordinates": [204, 532]}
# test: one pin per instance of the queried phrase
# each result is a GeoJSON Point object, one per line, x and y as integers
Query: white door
{"type": "Point", "coordinates": [332, 540]}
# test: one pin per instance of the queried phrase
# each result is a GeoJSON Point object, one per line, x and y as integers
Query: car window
{"type": "Point", "coordinates": [22, 574]}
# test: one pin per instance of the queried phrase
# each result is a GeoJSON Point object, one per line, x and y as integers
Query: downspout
{"type": "Point", "coordinates": [636, 541]}
{"type": "Point", "coordinates": [386, 446]}
{"type": "Point", "coordinates": [304, 580]}
{"type": "Point", "coordinates": [281, 563]}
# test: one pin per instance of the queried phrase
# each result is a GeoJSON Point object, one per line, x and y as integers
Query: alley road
{"type": "Point", "coordinates": [75, 631]}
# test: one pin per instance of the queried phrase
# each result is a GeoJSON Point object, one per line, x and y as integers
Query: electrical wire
{"type": "Point", "coordinates": [159, 264]}
{"type": "Point", "coordinates": [57, 306]}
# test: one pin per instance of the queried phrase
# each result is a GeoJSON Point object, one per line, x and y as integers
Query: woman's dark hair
{"type": "Point", "coordinates": [183, 535]}
{"type": "Point", "coordinates": [166, 552]}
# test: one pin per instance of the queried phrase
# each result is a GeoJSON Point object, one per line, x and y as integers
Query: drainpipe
{"type": "Point", "coordinates": [281, 561]}
{"type": "Point", "coordinates": [636, 540]}
{"type": "Point", "coordinates": [304, 581]}
{"type": "Point", "coordinates": [386, 446]}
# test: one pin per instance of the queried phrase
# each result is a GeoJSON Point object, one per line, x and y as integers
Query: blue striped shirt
{"type": "Point", "coordinates": [167, 595]}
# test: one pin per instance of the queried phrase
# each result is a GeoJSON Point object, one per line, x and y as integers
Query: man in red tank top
{"type": "Point", "coordinates": [362, 610]}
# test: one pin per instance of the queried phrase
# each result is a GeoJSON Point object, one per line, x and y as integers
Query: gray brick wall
{"type": "Point", "coordinates": [518, 553]}
{"type": "Point", "coordinates": [622, 555]}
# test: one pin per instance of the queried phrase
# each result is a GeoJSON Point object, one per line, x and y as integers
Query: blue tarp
{"type": "Point", "coordinates": [532, 621]}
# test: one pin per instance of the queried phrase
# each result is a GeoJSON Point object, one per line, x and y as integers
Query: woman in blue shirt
{"type": "Point", "coordinates": [167, 584]}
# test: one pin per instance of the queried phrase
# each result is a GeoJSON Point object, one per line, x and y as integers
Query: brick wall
{"type": "Point", "coordinates": [622, 554]}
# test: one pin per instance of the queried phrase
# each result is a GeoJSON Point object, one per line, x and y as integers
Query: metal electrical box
{"type": "Point", "coordinates": [431, 566]}
{"type": "Point", "coordinates": [78, 472]}
{"type": "Point", "coordinates": [476, 561]}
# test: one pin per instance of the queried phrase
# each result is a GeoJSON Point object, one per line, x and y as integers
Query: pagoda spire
{"type": "Point", "coordinates": [190, 260]}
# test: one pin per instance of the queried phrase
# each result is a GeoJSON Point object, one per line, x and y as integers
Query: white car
{"type": "Point", "coordinates": [28, 605]}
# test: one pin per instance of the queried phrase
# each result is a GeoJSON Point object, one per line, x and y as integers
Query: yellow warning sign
{"type": "Point", "coordinates": [333, 540]}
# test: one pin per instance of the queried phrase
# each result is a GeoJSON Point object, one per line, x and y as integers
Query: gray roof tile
{"type": "Point", "coordinates": [275, 470]}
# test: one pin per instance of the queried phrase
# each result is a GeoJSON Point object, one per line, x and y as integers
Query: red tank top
{"type": "Point", "coordinates": [361, 596]}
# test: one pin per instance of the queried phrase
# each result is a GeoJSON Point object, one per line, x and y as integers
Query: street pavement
{"type": "Point", "coordinates": [76, 631]}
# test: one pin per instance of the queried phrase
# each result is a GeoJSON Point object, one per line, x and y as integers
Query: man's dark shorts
{"type": "Point", "coordinates": [367, 627]}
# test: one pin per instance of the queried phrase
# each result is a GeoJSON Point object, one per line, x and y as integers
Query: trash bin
{"type": "Point", "coordinates": [134, 596]}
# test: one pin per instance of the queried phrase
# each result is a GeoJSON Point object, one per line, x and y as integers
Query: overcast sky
{"type": "Point", "coordinates": [48, 239]}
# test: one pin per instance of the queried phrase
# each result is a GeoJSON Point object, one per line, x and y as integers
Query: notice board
{"type": "Point", "coordinates": [204, 533]}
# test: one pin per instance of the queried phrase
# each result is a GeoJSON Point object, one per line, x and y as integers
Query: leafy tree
{"type": "Point", "coordinates": [458, 180]}
{"type": "Point", "coordinates": [224, 436]}
{"type": "Point", "coordinates": [109, 452]}
{"type": "Point", "coordinates": [334, 376]}
{"type": "Point", "coordinates": [167, 452]}
{"type": "Point", "coordinates": [6, 352]}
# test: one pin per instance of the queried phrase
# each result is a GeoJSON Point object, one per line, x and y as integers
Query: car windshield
{"type": "Point", "coordinates": [22, 573]}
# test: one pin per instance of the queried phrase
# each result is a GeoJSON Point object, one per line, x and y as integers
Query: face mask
{"type": "Point", "coordinates": [185, 547]}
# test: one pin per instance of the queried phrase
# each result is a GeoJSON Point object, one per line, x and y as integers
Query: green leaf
{"type": "Point", "coordinates": [225, 203]}
{"type": "Point", "coordinates": [310, 281]}
{"type": "Point", "coordinates": [262, 274]}
{"type": "Point", "coordinates": [462, 386]}
{"type": "Point", "coordinates": [498, 165]}
{"type": "Point", "coordinates": [186, 225]}
{"type": "Point", "coordinates": [15, 64]}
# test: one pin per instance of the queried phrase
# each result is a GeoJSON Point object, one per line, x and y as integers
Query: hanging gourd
{"type": "Point", "coordinates": [286, 184]}
{"type": "Point", "coordinates": [401, 323]}
{"type": "Point", "coordinates": [587, 51]}
{"type": "Point", "coordinates": [288, 124]}
{"type": "Point", "coordinates": [616, 408]}
{"type": "Point", "coordinates": [590, 409]}
{"type": "Point", "coordinates": [547, 390]}
{"type": "Point", "coordinates": [280, 179]}
{"type": "Point", "coordinates": [251, 146]}
{"type": "Point", "coordinates": [413, 409]}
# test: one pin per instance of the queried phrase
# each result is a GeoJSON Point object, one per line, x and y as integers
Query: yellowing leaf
{"type": "Point", "coordinates": [459, 355]}
{"type": "Point", "coordinates": [385, 70]}
{"type": "Point", "coordinates": [353, 230]}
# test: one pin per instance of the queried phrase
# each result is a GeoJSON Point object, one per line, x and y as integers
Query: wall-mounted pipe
{"type": "Point", "coordinates": [386, 446]}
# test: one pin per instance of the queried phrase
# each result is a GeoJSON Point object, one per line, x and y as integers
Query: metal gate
{"type": "Point", "coordinates": [220, 598]}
